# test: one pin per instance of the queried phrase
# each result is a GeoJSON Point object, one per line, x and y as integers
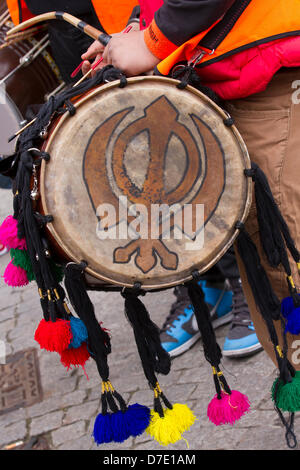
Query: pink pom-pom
{"type": "Point", "coordinates": [9, 234]}
{"type": "Point", "coordinates": [15, 276]}
{"type": "Point", "coordinates": [228, 409]}
{"type": "Point", "coordinates": [54, 336]}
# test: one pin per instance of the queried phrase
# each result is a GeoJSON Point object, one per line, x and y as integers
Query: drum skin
{"type": "Point", "coordinates": [127, 151]}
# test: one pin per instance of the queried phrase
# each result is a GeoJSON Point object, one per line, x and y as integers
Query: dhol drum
{"type": "Point", "coordinates": [145, 183]}
{"type": "Point", "coordinates": [28, 74]}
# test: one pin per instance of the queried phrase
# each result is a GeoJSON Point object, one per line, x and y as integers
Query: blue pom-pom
{"type": "Point", "coordinates": [102, 429]}
{"type": "Point", "coordinates": [79, 332]}
{"type": "Point", "coordinates": [138, 419]}
{"type": "Point", "coordinates": [292, 315]}
{"type": "Point", "coordinates": [120, 426]}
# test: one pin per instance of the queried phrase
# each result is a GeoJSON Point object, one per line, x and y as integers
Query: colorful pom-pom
{"type": "Point", "coordinates": [54, 336]}
{"type": "Point", "coordinates": [21, 258]}
{"type": "Point", "coordinates": [9, 234]}
{"type": "Point", "coordinates": [164, 430]}
{"type": "Point", "coordinates": [292, 316]}
{"type": "Point", "coordinates": [119, 426]}
{"type": "Point", "coordinates": [183, 415]}
{"type": "Point", "coordinates": [79, 332]}
{"type": "Point", "coordinates": [287, 395]}
{"type": "Point", "coordinates": [169, 429]}
{"type": "Point", "coordinates": [228, 409]}
{"type": "Point", "coordinates": [15, 276]}
{"type": "Point", "coordinates": [75, 356]}
{"type": "Point", "coordinates": [138, 417]}
{"type": "Point", "coordinates": [102, 432]}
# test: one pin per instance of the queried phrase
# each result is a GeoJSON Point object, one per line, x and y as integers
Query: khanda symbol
{"type": "Point", "coordinates": [160, 122]}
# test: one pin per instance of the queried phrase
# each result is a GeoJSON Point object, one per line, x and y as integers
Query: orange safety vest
{"type": "Point", "coordinates": [262, 21]}
{"type": "Point", "coordinates": [114, 14]}
{"type": "Point", "coordinates": [13, 6]}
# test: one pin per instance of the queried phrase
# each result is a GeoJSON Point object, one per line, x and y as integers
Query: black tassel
{"type": "Point", "coordinates": [263, 293]}
{"type": "Point", "coordinates": [99, 340]}
{"type": "Point", "coordinates": [272, 226]}
{"type": "Point", "coordinates": [212, 350]}
{"type": "Point", "coordinates": [153, 356]}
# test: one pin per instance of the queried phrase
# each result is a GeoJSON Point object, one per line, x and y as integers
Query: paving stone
{"type": "Point", "coordinates": [81, 443]}
{"type": "Point", "coordinates": [5, 327]}
{"type": "Point", "coordinates": [13, 417]}
{"type": "Point", "coordinates": [68, 433]}
{"type": "Point", "coordinates": [264, 437]}
{"type": "Point", "coordinates": [12, 433]}
{"type": "Point", "coordinates": [46, 423]}
{"type": "Point", "coordinates": [56, 403]}
{"type": "Point", "coordinates": [81, 412]}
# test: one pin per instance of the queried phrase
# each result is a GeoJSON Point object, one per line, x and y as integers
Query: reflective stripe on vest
{"type": "Point", "coordinates": [262, 21]}
{"type": "Point", "coordinates": [113, 15]}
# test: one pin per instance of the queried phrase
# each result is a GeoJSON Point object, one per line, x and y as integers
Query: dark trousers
{"type": "Point", "coordinates": [226, 268]}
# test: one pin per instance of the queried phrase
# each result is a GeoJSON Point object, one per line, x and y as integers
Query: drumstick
{"type": "Point", "coordinates": [89, 72]}
{"type": "Point", "coordinates": [77, 83]}
{"type": "Point", "coordinates": [96, 64]}
{"type": "Point", "coordinates": [60, 15]}
{"type": "Point", "coordinates": [106, 39]}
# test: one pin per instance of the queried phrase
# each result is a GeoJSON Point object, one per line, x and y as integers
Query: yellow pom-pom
{"type": "Point", "coordinates": [168, 430]}
{"type": "Point", "coordinates": [163, 430]}
{"type": "Point", "coordinates": [183, 415]}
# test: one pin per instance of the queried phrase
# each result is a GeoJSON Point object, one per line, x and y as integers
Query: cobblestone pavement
{"type": "Point", "coordinates": [71, 402]}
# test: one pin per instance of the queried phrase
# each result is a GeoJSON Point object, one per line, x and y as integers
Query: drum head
{"type": "Point", "coordinates": [145, 183]}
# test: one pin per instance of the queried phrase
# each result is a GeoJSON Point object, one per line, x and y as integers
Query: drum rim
{"type": "Point", "coordinates": [247, 165]}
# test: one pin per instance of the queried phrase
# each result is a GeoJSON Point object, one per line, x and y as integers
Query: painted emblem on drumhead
{"type": "Point", "coordinates": [148, 160]}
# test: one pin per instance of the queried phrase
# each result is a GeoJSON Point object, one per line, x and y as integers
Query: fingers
{"type": "Point", "coordinates": [85, 67]}
{"type": "Point", "coordinates": [94, 49]}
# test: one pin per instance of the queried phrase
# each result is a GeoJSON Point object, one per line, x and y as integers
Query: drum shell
{"type": "Point", "coordinates": [29, 85]}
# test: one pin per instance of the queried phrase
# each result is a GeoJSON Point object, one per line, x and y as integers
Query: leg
{"type": "Point", "coordinates": [269, 123]}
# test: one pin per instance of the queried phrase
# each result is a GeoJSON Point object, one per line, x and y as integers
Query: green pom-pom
{"type": "Point", "coordinates": [21, 259]}
{"type": "Point", "coordinates": [288, 395]}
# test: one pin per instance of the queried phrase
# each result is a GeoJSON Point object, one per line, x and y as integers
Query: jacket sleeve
{"type": "Point", "coordinates": [179, 20]}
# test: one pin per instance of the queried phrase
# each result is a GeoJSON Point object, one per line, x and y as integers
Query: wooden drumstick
{"type": "Point", "coordinates": [89, 72]}
{"type": "Point", "coordinates": [77, 83]}
{"type": "Point", "coordinates": [87, 29]}
{"type": "Point", "coordinates": [60, 15]}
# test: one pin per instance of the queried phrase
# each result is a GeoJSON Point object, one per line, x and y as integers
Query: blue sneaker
{"type": "Point", "coordinates": [180, 330]}
{"type": "Point", "coordinates": [241, 340]}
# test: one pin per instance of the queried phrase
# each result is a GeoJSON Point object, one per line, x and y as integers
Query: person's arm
{"type": "Point", "coordinates": [174, 23]}
{"type": "Point", "coordinates": [179, 20]}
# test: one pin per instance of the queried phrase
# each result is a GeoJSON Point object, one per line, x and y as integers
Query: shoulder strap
{"type": "Point", "coordinates": [219, 32]}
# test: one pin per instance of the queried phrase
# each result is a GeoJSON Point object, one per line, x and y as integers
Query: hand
{"type": "Point", "coordinates": [129, 53]}
{"type": "Point", "coordinates": [95, 51]}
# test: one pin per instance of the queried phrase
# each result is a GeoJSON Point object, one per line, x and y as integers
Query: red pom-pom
{"type": "Point", "coordinates": [75, 356]}
{"type": "Point", "coordinates": [15, 276]}
{"type": "Point", "coordinates": [54, 336]}
{"type": "Point", "coordinates": [9, 234]}
{"type": "Point", "coordinates": [228, 409]}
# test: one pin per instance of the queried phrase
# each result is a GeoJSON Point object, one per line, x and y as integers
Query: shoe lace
{"type": "Point", "coordinates": [177, 310]}
{"type": "Point", "coordinates": [240, 310]}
